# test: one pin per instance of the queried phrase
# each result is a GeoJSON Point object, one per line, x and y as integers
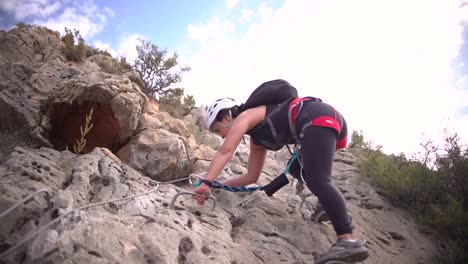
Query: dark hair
{"type": "Point", "coordinates": [235, 111]}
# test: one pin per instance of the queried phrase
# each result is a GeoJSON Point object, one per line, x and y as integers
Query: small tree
{"type": "Point", "coordinates": [453, 165]}
{"type": "Point", "coordinates": [157, 69]}
{"type": "Point", "coordinates": [188, 103]}
{"type": "Point", "coordinates": [176, 103]}
{"type": "Point", "coordinates": [357, 140]}
{"type": "Point", "coordinates": [172, 97]}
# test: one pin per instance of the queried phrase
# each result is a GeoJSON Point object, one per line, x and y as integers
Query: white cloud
{"type": "Point", "coordinates": [8, 5]}
{"type": "Point", "coordinates": [105, 46]}
{"type": "Point", "coordinates": [265, 11]}
{"type": "Point", "coordinates": [384, 64]}
{"type": "Point", "coordinates": [127, 46]}
{"type": "Point", "coordinates": [246, 15]}
{"type": "Point", "coordinates": [215, 28]}
{"type": "Point", "coordinates": [36, 9]}
{"type": "Point", "coordinates": [72, 19]}
{"type": "Point", "coordinates": [85, 16]}
{"type": "Point", "coordinates": [231, 3]}
{"type": "Point", "coordinates": [23, 9]}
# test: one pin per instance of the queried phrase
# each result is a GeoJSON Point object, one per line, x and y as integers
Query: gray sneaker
{"type": "Point", "coordinates": [345, 251]}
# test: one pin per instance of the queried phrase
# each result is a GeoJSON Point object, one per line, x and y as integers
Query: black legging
{"type": "Point", "coordinates": [317, 151]}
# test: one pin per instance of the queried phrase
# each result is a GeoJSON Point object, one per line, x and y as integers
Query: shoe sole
{"type": "Point", "coordinates": [357, 256]}
{"type": "Point", "coordinates": [360, 256]}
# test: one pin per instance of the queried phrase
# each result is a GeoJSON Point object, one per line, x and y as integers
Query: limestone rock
{"type": "Point", "coordinates": [32, 45]}
{"type": "Point", "coordinates": [159, 153]}
{"type": "Point", "coordinates": [243, 228]}
{"type": "Point", "coordinates": [49, 96]}
{"type": "Point", "coordinates": [211, 140]}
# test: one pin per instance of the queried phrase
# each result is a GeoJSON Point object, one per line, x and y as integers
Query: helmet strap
{"type": "Point", "coordinates": [230, 118]}
{"type": "Point", "coordinates": [230, 121]}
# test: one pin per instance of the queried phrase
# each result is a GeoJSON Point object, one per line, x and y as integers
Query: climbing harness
{"type": "Point", "coordinates": [294, 109]}
{"type": "Point", "coordinates": [294, 156]}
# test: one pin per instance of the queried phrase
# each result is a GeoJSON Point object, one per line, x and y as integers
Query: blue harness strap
{"type": "Point", "coordinates": [218, 185]}
{"type": "Point", "coordinates": [291, 160]}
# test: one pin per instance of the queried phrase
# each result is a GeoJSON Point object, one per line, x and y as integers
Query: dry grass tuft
{"type": "Point", "coordinates": [81, 142]}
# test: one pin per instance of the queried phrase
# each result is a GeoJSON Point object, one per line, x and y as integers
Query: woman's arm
{"type": "Point", "coordinates": [254, 167]}
{"type": "Point", "coordinates": [243, 123]}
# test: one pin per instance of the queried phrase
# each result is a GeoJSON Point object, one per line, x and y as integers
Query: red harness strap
{"type": "Point", "coordinates": [293, 105]}
{"type": "Point", "coordinates": [323, 121]}
{"type": "Point", "coordinates": [342, 143]}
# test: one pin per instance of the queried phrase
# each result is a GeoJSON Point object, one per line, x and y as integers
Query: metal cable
{"type": "Point", "coordinates": [33, 234]}
{"type": "Point", "coordinates": [29, 197]}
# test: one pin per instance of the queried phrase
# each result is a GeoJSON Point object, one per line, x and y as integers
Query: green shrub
{"type": "Point", "coordinates": [90, 51]}
{"type": "Point", "coordinates": [433, 187]}
{"type": "Point", "coordinates": [75, 49]}
{"type": "Point", "coordinates": [21, 26]}
{"type": "Point", "coordinates": [176, 103]}
{"type": "Point", "coordinates": [357, 140]}
{"type": "Point", "coordinates": [114, 66]}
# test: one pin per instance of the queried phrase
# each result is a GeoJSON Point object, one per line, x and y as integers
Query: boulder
{"type": "Point", "coordinates": [160, 154]}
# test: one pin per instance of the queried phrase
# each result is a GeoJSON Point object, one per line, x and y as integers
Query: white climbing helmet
{"type": "Point", "coordinates": [217, 106]}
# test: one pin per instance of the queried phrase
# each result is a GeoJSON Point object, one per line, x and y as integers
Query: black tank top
{"type": "Point", "coordinates": [273, 132]}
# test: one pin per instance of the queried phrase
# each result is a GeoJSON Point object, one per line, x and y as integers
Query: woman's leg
{"type": "Point", "coordinates": [318, 148]}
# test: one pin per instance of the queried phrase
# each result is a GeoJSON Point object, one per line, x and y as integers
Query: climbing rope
{"type": "Point", "coordinates": [269, 189]}
{"type": "Point", "coordinates": [35, 233]}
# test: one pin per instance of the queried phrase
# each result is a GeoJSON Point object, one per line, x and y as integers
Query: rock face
{"type": "Point", "coordinates": [243, 228]}
{"type": "Point", "coordinates": [110, 204]}
{"type": "Point", "coordinates": [40, 90]}
{"type": "Point", "coordinates": [49, 97]}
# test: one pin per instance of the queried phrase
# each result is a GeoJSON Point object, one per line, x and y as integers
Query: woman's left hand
{"type": "Point", "coordinates": [202, 193]}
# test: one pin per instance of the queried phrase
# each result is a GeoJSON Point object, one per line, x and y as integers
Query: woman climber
{"type": "Point", "coordinates": [316, 127]}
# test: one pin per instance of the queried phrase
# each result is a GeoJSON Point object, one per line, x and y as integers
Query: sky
{"type": "Point", "coordinates": [385, 65]}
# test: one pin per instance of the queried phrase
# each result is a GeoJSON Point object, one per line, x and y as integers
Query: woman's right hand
{"type": "Point", "coordinates": [203, 191]}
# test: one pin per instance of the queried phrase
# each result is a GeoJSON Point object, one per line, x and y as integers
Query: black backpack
{"type": "Point", "coordinates": [271, 92]}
